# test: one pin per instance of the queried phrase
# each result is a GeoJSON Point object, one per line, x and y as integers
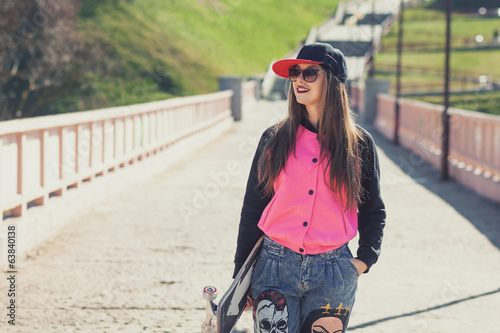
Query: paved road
{"type": "Point", "coordinates": [138, 262]}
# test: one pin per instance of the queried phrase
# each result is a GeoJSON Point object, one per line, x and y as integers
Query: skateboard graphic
{"type": "Point", "coordinates": [222, 318]}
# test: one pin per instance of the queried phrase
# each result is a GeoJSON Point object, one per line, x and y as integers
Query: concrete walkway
{"type": "Point", "coordinates": [139, 261]}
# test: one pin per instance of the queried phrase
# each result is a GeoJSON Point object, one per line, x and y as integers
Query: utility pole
{"type": "Point", "coordinates": [445, 147]}
{"type": "Point", "coordinates": [373, 22]}
{"type": "Point", "coordinates": [398, 73]}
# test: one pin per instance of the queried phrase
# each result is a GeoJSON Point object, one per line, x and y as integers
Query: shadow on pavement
{"type": "Point", "coordinates": [417, 312]}
{"type": "Point", "coordinates": [483, 213]}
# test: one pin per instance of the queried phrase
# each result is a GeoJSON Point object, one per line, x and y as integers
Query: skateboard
{"type": "Point", "coordinates": [222, 318]}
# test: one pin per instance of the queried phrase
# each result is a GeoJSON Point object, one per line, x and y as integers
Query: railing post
{"type": "Point", "coordinates": [398, 75]}
{"type": "Point", "coordinates": [445, 148]}
{"type": "Point", "coordinates": [21, 184]}
{"type": "Point", "coordinates": [258, 85]}
{"type": "Point", "coordinates": [234, 83]}
{"type": "Point", "coordinates": [368, 111]}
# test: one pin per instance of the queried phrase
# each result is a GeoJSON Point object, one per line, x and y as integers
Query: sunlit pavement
{"type": "Point", "coordinates": [139, 261]}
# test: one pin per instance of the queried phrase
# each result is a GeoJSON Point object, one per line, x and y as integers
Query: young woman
{"type": "Point", "coordinates": [313, 184]}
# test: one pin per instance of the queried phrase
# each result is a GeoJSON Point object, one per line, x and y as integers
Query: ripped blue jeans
{"type": "Point", "coordinates": [295, 293]}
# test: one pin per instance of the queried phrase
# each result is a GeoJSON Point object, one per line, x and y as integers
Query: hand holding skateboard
{"type": "Point", "coordinates": [222, 318]}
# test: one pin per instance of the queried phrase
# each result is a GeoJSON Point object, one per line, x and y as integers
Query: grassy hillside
{"type": "Point", "coordinates": [425, 25]}
{"type": "Point", "coordinates": [157, 49]}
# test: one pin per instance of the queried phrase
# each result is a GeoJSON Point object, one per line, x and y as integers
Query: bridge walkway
{"type": "Point", "coordinates": [138, 261]}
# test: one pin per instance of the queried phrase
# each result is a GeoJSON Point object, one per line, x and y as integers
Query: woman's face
{"type": "Point", "coordinates": [309, 93]}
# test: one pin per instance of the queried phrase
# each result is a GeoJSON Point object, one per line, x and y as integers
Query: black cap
{"type": "Point", "coordinates": [317, 53]}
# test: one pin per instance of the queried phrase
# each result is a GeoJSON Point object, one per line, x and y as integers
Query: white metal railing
{"type": "Point", "coordinates": [45, 156]}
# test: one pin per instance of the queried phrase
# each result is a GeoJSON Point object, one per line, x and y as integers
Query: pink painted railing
{"type": "Point", "coordinates": [385, 115]}
{"type": "Point", "coordinates": [475, 142]}
{"type": "Point", "coordinates": [474, 158]}
{"type": "Point", "coordinates": [357, 94]}
{"type": "Point", "coordinates": [45, 156]}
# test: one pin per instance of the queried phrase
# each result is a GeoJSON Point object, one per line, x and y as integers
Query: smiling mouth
{"type": "Point", "coordinates": [302, 90]}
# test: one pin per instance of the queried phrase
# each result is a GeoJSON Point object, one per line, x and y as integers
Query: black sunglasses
{"type": "Point", "coordinates": [309, 74]}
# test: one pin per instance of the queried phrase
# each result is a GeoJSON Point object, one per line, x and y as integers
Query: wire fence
{"type": "Point", "coordinates": [460, 81]}
{"type": "Point", "coordinates": [476, 43]}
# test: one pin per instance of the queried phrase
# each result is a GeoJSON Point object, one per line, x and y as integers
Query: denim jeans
{"type": "Point", "coordinates": [295, 293]}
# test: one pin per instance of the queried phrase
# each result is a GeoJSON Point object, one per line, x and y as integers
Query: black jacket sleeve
{"type": "Point", "coordinates": [254, 204]}
{"type": "Point", "coordinates": [371, 209]}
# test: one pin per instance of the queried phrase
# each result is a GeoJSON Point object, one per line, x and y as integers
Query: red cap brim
{"type": "Point", "coordinates": [281, 67]}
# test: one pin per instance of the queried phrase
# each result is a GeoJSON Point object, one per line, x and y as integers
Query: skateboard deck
{"type": "Point", "coordinates": [233, 302]}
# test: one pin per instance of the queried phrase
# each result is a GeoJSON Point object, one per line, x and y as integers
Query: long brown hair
{"type": "Point", "coordinates": [338, 136]}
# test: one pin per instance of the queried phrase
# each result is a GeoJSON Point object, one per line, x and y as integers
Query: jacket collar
{"type": "Point", "coordinates": [308, 126]}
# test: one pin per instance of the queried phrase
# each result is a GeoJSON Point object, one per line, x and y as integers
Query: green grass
{"type": "Point", "coordinates": [157, 49]}
{"type": "Point", "coordinates": [473, 62]}
{"type": "Point", "coordinates": [481, 102]}
{"type": "Point", "coordinates": [424, 25]}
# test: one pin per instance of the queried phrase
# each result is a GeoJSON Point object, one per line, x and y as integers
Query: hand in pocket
{"type": "Point", "coordinates": [360, 266]}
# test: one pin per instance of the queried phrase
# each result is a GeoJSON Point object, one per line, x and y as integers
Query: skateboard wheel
{"type": "Point", "coordinates": [210, 293]}
{"type": "Point", "coordinates": [208, 328]}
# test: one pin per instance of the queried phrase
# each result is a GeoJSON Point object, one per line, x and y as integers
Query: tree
{"type": "Point", "coordinates": [40, 50]}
